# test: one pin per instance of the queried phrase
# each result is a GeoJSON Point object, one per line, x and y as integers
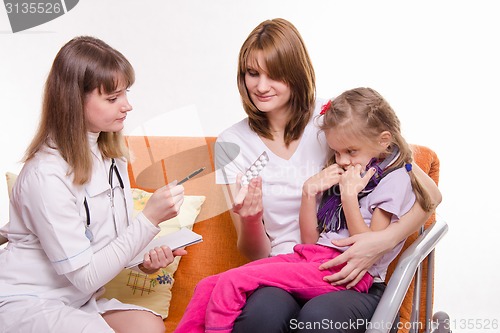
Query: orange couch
{"type": "Point", "coordinates": [157, 160]}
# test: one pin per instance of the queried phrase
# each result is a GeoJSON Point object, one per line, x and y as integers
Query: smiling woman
{"type": "Point", "coordinates": [266, 93]}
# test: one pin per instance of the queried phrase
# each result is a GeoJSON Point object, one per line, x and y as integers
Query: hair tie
{"type": "Point", "coordinates": [325, 107]}
{"type": "Point", "coordinates": [408, 167]}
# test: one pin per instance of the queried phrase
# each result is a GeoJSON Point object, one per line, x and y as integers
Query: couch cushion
{"type": "Point", "coordinates": [154, 162]}
{"type": "Point", "coordinates": [428, 161]}
{"type": "Point", "coordinates": [175, 157]}
{"type": "Point", "coordinates": [11, 179]}
{"type": "Point", "coordinates": [153, 291]}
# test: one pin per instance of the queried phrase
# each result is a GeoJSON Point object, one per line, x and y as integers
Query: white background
{"type": "Point", "coordinates": [436, 62]}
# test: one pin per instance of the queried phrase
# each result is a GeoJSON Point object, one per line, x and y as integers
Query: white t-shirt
{"type": "Point", "coordinates": [282, 180]}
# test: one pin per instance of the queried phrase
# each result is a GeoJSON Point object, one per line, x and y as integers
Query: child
{"type": "Point", "coordinates": [366, 186]}
{"type": "Point", "coordinates": [70, 230]}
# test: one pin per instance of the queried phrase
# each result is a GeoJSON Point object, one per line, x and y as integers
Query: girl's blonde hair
{"type": "Point", "coordinates": [286, 60]}
{"type": "Point", "coordinates": [364, 113]}
{"type": "Point", "coordinates": [82, 65]}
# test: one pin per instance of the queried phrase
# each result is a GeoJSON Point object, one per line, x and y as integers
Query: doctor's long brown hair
{"type": "Point", "coordinates": [82, 65]}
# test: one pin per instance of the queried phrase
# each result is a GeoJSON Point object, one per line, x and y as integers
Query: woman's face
{"type": "Point", "coordinates": [106, 112]}
{"type": "Point", "coordinates": [268, 95]}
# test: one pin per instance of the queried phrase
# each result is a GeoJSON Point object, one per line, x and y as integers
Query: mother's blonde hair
{"type": "Point", "coordinates": [82, 65]}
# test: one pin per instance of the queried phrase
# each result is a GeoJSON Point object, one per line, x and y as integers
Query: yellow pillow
{"type": "Point", "coordinates": [11, 179]}
{"type": "Point", "coordinates": [153, 291]}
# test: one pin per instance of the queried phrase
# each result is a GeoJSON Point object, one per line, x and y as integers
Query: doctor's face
{"type": "Point", "coordinates": [106, 112]}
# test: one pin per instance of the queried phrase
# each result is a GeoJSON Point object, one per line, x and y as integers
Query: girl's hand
{"type": "Point", "coordinates": [351, 182]}
{"type": "Point", "coordinates": [165, 203]}
{"type": "Point", "coordinates": [248, 201]}
{"type": "Point", "coordinates": [159, 257]}
{"type": "Point", "coordinates": [365, 249]}
{"type": "Point", "coordinates": [323, 180]}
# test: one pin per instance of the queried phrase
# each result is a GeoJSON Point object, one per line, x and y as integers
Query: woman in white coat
{"type": "Point", "coordinates": [70, 230]}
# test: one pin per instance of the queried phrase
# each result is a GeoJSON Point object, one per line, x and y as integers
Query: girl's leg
{"type": "Point", "coordinates": [301, 278]}
{"type": "Point", "coordinates": [130, 321]}
{"type": "Point", "coordinates": [193, 320]}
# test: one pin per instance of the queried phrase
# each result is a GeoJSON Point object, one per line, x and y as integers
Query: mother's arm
{"type": "Point", "coordinates": [246, 213]}
{"type": "Point", "coordinates": [365, 249]}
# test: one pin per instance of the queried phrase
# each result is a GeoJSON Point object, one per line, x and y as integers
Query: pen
{"type": "Point", "coordinates": [191, 175]}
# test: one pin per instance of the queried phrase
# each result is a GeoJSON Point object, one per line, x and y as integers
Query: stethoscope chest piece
{"type": "Point", "coordinates": [113, 168]}
{"type": "Point", "coordinates": [89, 234]}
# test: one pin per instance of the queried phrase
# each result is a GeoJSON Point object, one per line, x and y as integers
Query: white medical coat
{"type": "Point", "coordinates": [47, 227]}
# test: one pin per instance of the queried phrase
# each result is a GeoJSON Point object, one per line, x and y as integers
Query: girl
{"type": "Point", "coordinates": [367, 186]}
{"type": "Point", "coordinates": [276, 82]}
{"type": "Point", "coordinates": [70, 230]}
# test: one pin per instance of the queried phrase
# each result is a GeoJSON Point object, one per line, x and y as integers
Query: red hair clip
{"type": "Point", "coordinates": [325, 107]}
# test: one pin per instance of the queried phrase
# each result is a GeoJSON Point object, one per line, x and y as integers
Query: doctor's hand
{"type": "Point", "coordinates": [248, 201]}
{"type": "Point", "coordinates": [165, 203]}
{"type": "Point", "coordinates": [159, 257]}
{"type": "Point", "coordinates": [365, 249]}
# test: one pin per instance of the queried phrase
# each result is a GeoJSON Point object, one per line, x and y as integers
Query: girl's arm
{"type": "Point", "coordinates": [315, 185]}
{"type": "Point", "coordinates": [351, 184]}
{"type": "Point", "coordinates": [308, 220]}
{"type": "Point", "coordinates": [365, 249]}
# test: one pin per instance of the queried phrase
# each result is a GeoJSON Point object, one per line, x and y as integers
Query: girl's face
{"type": "Point", "coordinates": [350, 150]}
{"type": "Point", "coordinates": [106, 112]}
{"type": "Point", "coordinates": [267, 94]}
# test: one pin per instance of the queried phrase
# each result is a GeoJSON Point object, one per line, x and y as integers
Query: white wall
{"type": "Point", "coordinates": [435, 61]}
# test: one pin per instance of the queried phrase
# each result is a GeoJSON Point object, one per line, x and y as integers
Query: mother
{"type": "Point", "coordinates": [276, 82]}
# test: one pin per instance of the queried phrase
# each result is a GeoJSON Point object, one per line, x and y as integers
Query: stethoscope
{"type": "Point", "coordinates": [113, 169]}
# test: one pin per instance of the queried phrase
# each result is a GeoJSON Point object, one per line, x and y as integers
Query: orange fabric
{"type": "Point", "coordinates": [155, 161]}
{"type": "Point", "coordinates": [429, 163]}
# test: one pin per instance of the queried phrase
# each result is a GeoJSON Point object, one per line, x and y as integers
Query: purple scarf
{"type": "Point", "coordinates": [330, 213]}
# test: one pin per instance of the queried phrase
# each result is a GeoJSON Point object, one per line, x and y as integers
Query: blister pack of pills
{"type": "Point", "coordinates": [255, 169]}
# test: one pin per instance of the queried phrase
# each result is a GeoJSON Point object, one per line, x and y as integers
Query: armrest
{"type": "Point", "coordinates": [400, 280]}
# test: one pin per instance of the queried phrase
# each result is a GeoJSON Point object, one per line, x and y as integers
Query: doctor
{"type": "Point", "coordinates": [70, 230]}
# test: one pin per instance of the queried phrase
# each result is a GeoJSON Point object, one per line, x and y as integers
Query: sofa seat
{"type": "Point", "coordinates": [157, 160]}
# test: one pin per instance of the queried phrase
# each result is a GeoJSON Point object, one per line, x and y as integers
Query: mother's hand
{"type": "Point", "coordinates": [248, 201]}
{"type": "Point", "coordinates": [364, 251]}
